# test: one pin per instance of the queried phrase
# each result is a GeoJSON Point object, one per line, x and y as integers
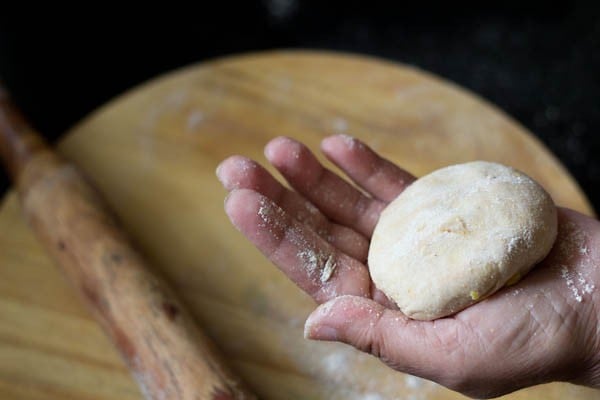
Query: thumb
{"type": "Point", "coordinates": [406, 345]}
{"type": "Point", "coordinates": [348, 319]}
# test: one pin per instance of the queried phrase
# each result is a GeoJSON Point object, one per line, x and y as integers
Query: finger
{"type": "Point", "coordinates": [313, 264]}
{"type": "Point", "coordinates": [378, 176]}
{"type": "Point", "coordinates": [239, 172]}
{"type": "Point", "coordinates": [416, 347]}
{"type": "Point", "coordinates": [336, 198]}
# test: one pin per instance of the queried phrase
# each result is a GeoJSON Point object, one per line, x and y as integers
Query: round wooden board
{"type": "Point", "coordinates": [153, 153]}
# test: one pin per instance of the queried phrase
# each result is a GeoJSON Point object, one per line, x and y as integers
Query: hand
{"type": "Point", "coordinates": [543, 329]}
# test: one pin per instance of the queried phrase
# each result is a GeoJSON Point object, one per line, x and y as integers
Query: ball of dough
{"type": "Point", "coordinates": [458, 235]}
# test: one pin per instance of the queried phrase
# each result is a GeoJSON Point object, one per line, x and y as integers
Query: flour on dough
{"type": "Point", "coordinates": [458, 235]}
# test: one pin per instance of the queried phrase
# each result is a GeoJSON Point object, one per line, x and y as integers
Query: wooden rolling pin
{"type": "Point", "coordinates": [168, 355]}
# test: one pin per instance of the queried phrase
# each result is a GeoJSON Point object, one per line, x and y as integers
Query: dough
{"type": "Point", "coordinates": [458, 235]}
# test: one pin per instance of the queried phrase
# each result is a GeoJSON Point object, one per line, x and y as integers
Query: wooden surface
{"type": "Point", "coordinates": [153, 153]}
{"type": "Point", "coordinates": [156, 335]}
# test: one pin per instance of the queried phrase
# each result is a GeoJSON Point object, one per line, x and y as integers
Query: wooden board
{"type": "Point", "coordinates": [153, 153]}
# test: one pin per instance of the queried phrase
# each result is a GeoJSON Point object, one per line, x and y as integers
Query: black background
{"type": "Point", "coordinates": [537, 61]}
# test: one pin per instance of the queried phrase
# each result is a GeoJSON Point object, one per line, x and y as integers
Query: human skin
{"type": "Point", "coordinates": [545, 328]}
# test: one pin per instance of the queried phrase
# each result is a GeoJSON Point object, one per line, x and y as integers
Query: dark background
{"type": "Point", "coordinates": [537, 61]}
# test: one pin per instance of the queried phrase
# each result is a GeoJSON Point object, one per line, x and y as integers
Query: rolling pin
{"type": "Point", "coordinates": [167, 353]}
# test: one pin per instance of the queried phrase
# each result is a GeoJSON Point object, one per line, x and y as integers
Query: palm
{"type": "Point", "coordinates": [318, 235]}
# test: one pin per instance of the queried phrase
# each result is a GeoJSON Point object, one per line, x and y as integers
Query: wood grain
{"type": "Point", "coordinates": [167, 354]}
{"type": "Point", "coordinates": [153, 153]}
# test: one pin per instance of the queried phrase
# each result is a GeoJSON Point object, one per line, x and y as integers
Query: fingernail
{"type": "Point", "coordinates": [348, 140]}
{"type": "Point", "coordinates": [320, 332]}
{"type": "Point", "coordinates": [218, 172]}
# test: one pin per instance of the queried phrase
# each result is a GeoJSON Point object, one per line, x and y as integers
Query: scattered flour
{"type": "Point", "coordinates": [352, 142]}
{"type": "Point", "coordinates": [409, 93]}
{"type": "Point", "coordinates": [348, 140]}
{"type": "Point", "coordinates": [272, 218]}
{"type": "Point", "coordinates": [517, 291]}
{"type": "Point", "coordinates": [194, 120]}
{"type": "Point", "coordinates": [245, 166]}
{"type": "Point", "coordinates": [328, 269]}
{"type": "Point", "coordinates": [318, 263]}
{"type": "Point", "coordinates": [309, 259]}
{"type": "Point", "coordinates": [577, 283]}
{"type": "Point", "coordinates": [513, 243]}
{"type": "Point", "coordinates": [372, 396]}
{"type": "Point", "coordinates": [413, 382]}
{"type": "Point", "coordinates": [340, 125]}
{"type": "Point", "coordinates": [332, 363]}
{"type": "Point", "coordinates": [566, 274]}
{"type": "Point", "coordinates": [572, 242]}
{"type": "Point", "coordinates": [310, 207]}
{"type": "Point", "coordinates": [147, 383]}
{"type": "Point", "coordinates": [345, 366]}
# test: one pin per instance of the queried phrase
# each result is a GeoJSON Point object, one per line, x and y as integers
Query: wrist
{"type": "Point", "coordinates": [594, 376]}
{"type": "Point", "coordinates": [589, 372]}
{"type": "Point", "coordinates": [591, 377]}
{"type": "Point", "coordinates": [587, 265]}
